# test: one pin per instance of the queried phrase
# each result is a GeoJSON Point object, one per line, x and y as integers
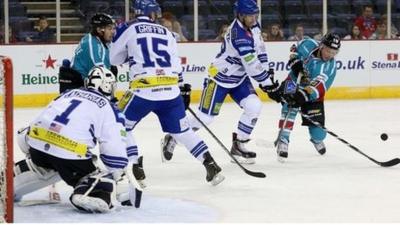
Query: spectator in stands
{"type": "Point", "coordinates": [11, 36]}
{"type": "Point", "coordinates": [222, 31]}
{"type": "Point", "coordinates": [381, 32]}
{"type": "Point", "coordinates": [45, 33]}
{"type": "Point", "coordinates": [264, 34]}
{"type": "Point", "coordinates": [298, 33]}
{"type": "Point", "coordinates": [355, 34]}
{"type": "Point", "coordinates": [274, 33]}
{"type": "Point", "coordinates": [366, 22]}
{"type": "Point", "coordinates": [168, 24]}
{"type": "Point", "coordinates": [176, 26]}
{"type": "Point", "coordinates": [393, 28]}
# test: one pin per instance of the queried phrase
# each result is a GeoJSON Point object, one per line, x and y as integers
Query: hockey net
{"type": "Point", "coordinates": [6, 140]}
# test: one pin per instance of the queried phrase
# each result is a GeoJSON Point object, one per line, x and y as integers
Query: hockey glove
{"type": "Point", "coordinates": [114, 70]}
{"type": "Point", "coordinates": [273, 91]}
{"type": "Point", "coordinates": [297, 99]}
{"type": "Point", "coordinates": [296, 65]}
{"type": "Point", "coordinates": [185, 93]}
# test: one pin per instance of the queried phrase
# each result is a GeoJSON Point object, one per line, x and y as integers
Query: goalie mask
{"type": "Point", "coordinates": [102, 80]}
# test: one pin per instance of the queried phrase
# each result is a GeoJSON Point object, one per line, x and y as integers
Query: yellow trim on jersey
{"type": "Point", "coordinates": [149, 82]}
{"type": "Point", "coordinates": [212, 70]}
{"type": "Point", "coordinates": [53, 138]}
{"type": "Point", "coordinates": [124, 100]}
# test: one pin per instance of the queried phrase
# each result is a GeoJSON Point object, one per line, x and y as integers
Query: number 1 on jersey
{"type": "Point", "coordinates": [63, 117]}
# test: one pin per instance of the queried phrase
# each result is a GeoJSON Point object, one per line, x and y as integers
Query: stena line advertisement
{"type": "Point", "coordinates": [359, 64]}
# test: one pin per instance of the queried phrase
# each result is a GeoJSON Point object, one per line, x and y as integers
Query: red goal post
{"type": "Point", "coordinates": [6, 140]}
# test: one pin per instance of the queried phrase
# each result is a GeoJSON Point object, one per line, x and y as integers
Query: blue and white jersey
{"type": "Point", "coordinates": [152, 54]}
{"type": "Point", "coordinates": [75, 122]}
{"type": "Point", "coordinates": [242, 54]}
{"type": "Point", "coordinates": [321, 73]}
{"type": "Point", "coordinates": [89, 53]}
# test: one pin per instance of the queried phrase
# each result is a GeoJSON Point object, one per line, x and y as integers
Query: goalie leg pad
{"type": "Point", "coordinates": [21, 140]}
{"type": "Point", "coordinates": [29, 177]}
{"type": "Point", "coordinates": [94, 193]}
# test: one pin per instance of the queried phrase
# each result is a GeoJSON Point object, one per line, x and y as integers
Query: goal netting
{"type": "Point", "coordinates": [6, 140]}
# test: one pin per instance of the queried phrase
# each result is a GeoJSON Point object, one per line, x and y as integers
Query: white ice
{"type": "Point", "coordinates": [341, 186]}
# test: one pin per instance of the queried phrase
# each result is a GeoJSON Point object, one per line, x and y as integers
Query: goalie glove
{"type": "Point", "coordinates": [185, 93]}
{"type": "Point", "coordinates": [137, 169]}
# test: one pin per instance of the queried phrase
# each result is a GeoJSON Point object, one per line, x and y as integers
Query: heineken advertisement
{"type": "Point", "coordinates": [365, 69]}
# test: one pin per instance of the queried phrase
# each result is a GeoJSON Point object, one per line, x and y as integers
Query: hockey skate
{"type": "Point", "coordinates": [282, 151]}
{"type": "Point", "coordinates": [319, 146]}
{"type": "Point", "coordinates": [168, 144]}
{"type": "Point", "coordinates": [238, 151]}
{"type": "Point", "coordinates": [213, 170]}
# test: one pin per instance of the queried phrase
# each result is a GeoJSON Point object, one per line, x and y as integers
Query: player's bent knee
{"type": "Point", "coordinates": [28, 178]}
{"type": "Point", "coordinates": [205, 118]}
{"type": "Point", "coordinates": [252, 106]}
{"type": "Point", "coordinates": [94, 193]}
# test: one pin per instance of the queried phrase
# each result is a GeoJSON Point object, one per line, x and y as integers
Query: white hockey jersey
{"type": "Point", "coordinates": [73, 123]}
{"type": "Point", "coordinates": [154, 64]}
{"type": "Point", "coordinates": [242, 54]}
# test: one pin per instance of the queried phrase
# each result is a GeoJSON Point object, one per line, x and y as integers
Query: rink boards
{"type": "Point", "coordinates": [366, 69]}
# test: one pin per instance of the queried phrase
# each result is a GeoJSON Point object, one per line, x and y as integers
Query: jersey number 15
{"type": "Point", "coordinates": [163, 58]}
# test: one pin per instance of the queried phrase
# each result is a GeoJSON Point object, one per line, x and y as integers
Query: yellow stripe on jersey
{"type": "Point", "coordinates": [53, 138]}
{"type": "Point", "coordinates": [149, 82]}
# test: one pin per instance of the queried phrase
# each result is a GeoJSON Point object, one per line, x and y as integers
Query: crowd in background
{"type": "Point", "coordinates": [368, 25]}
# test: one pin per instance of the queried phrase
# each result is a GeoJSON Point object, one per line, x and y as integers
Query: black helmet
{"type": "Point", "coordinates": [101, 20]}
{"type": "Point", "coordinates": [331, 40]}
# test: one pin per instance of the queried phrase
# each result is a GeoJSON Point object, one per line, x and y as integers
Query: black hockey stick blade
{"type": "Point", "coordinates": [390, 163]}
{"type": "Point", "coordinates": [255, 174]}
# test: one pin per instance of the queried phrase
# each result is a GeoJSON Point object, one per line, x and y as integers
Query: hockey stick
{"type": "Point", "coordinates": [251, 173]}
{"type": "Point", "coordinates": [389, 163]}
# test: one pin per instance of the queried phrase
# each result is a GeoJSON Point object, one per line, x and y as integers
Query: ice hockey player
{"type": "Point", "coordinates": [242, 56]}
{"type": "Point", "coordinates": [93, 50]}
{"type": "Point", "coordinates": [156, 82]}
{"type": "Point", "coordinates": [315, 64]}
{"type": "Point", "coordinates": [59, 145]}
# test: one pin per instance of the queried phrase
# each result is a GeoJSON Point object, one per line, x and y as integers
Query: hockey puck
{"type": "Point", "coordinates": [384, 136]}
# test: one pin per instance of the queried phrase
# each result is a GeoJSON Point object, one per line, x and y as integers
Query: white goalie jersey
{"type": "Point", "coordinates": [151, 51]}
{"type": "Point", "coordinates": [72, 125]}
{"type": "Point", "coordinates": [242, 54]}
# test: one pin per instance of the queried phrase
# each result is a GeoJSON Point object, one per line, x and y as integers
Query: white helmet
{"type": "Point", "coordinates": [101, 79]}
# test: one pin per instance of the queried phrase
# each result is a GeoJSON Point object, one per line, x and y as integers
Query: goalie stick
{"type": "Point", "coordinates": [249, 172]}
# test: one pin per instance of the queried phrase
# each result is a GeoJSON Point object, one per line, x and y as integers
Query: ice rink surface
{"type": "Point", "coordinates": [341, 186]}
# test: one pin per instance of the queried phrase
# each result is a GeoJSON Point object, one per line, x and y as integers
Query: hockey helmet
{"type": "Point", "coordinates": [101, 79]}
{"type": "Point", "coordinates": [146, 7]}
{"type": "Point", "coordinates": [101, 20]}
{"type": "Point", "coordinates": [331, 40]}
{"type": "Point", "coordinates": [247, 7]}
